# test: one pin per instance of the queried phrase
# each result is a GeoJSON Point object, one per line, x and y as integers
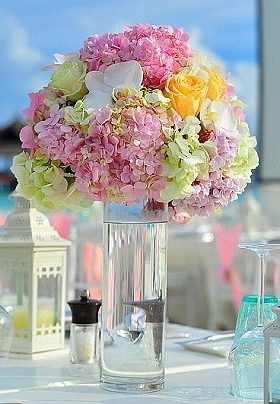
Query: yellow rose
{"type": "Point", "coordinates": [216, 86]}
{"type": "Point", "coordinates": [186, 92]}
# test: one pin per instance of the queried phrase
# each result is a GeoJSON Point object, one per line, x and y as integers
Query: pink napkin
{"type": "Point", "coordinates": [226, 241]}
{"type": "Point", "coordinates": [3, 217]}
{"type": "Point", "coordinates": [93, 267]}
{"type": "Point", "coordinates": [276, 273]}
{"type": "Point", "coordinates": [61, 222]}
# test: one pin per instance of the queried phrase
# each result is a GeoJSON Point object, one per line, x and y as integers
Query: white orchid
{"type": "Point", "coordinates": [103, 85]}
{"type": "Point", "coordinates": [220, 114]}
{"type": "Point", "coordinates": [60, 58]}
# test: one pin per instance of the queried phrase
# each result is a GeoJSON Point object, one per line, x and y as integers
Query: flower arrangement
{"type": "Point", "coordinates": [134, 115]}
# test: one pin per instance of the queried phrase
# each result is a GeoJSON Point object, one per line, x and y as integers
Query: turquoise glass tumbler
{"type": "Point", "coordinates": [246, 321]}
{"type": "Point", "coordinates": [247, 315]}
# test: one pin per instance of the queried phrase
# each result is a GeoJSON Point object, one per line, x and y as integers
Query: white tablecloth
{"type": "Point", "coordinates": [191, 377]}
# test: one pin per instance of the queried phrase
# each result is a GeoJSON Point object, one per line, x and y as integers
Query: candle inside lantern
{"type": "Point", "coordinates": [20, 316]}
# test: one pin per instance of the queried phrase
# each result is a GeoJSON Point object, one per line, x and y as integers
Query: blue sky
{"type": "Point", "coordinates": [31, 31]}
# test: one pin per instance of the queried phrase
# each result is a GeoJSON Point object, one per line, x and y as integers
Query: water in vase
{"type": "Point", "coordinates": [133, 309]}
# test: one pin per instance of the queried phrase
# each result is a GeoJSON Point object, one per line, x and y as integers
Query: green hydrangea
{"type": "Point", "coordinates": [45, 184]}
{"type": "Point", "coordinates": [246, 159]}
{"type": "Point", "coordinates": [77, 116]}
{"type": "Point", "coordinates": [156, 98]}
{"type": "Point", "coordinates": [186, 159]}
{"type": "Point", "coordinates": [69, 77]}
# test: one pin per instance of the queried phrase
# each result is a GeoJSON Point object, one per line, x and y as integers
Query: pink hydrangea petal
{"type": "Point", "coordinates": [26, 136]}
{"type": "Point", "coordinates": [160, 51]}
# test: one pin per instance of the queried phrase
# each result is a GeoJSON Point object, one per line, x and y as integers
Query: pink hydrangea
{"type": "Point", "coordinates": [239, 113]}
{"type": "Point", "coordinates": [57, 140]}
{"type": "Point", "coordinates": [177, 213]}
{"type": "Point", "coordinates": [215, 191]}
{"type": "Point", "coordinates": [226, 148]}
{"type": "Point", "coordinates": [117, 153]}
{"type": "Point", "coordinates": [36, 104]}
{"type": "Point", "coordinates": [161, 50]}
{"type": "Point", "coordinates": [92, 178]}
{"type": "Point", "coordinates": [229, 91]}
{"type": "Point", "coordinates": [211, 195]}
{"type": "Point", "coordinates": [28, 138]}
{"type": "Point", "coordinates": [122, 158]}
{"type": "Point", "coordinates": [38, 110]}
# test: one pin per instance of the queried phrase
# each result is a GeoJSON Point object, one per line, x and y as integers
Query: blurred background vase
{"type": "Point", "coordinates": [133, 296]}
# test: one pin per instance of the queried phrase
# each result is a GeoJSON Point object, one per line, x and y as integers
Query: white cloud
{"type": "Point", "coordinates": [196, 39]}
{"type": "Point", "coordinates": [119, 25]}
{"type": "Point", "coordinates": [246, 80]}
{"type": "Point", "coordinates": [244, 76]}
{"type": "Point", "coordinates": [35, 82]}
{"type": "Point", "coordinates": [225, 22]}
{"type": "Point", "coordinates": [17, 45]}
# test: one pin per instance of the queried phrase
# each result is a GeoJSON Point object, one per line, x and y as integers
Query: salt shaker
{"type": "Point", "coordinates": [84, 333]}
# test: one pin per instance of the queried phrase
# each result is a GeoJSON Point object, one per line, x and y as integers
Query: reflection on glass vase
{"type": "Point", "coordinates": [133, 297]}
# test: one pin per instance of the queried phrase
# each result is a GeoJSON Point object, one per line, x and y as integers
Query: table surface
{"type": "Point", "coordinates": [191, 377]}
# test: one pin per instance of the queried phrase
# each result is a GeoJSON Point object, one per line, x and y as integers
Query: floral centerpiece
{"type": "Point", "coordinates": [140, 119]}
{"type": "Point", "coordinates": [134, 115]}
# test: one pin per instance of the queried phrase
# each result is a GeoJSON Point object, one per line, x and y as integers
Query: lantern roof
{"type": "Point", "coordinates": [26, 226]}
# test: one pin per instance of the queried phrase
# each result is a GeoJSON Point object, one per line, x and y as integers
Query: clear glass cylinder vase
{"type": "Point", "coordinates": [133, 297]}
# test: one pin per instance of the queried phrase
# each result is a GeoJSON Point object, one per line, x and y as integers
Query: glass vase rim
{"type": "Point", "coordinates": [144, 211]}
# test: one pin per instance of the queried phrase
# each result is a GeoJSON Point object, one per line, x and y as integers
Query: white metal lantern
{"type": "Point", "coordinates": [272, 360]}
{"type": "Point", "coordinates": [32, 279]}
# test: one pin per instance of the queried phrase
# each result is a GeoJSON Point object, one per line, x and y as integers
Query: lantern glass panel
{"type": "Point", "coordinates": [14, 286]}
{"type": "Point", "coordinates": [49, 299]}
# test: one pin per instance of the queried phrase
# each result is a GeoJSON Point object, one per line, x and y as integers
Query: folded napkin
{"type": "Point", "coordinates": [218, 348]}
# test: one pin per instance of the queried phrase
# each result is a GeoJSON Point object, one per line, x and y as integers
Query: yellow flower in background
{"type": "Point", "coordinates": [186, 92]}
{"type": "Point", "coordinates": [216, 85]}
